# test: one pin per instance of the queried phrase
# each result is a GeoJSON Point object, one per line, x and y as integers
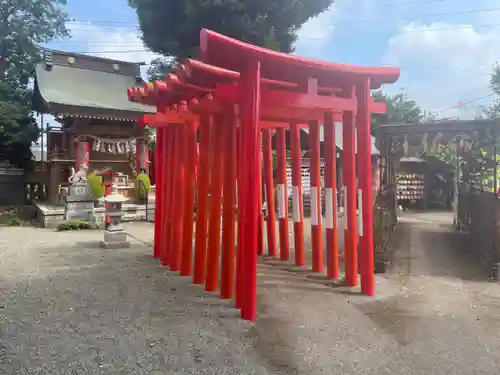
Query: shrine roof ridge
{"type": "Point", "coordinates": [68, 84]}
{"type": "Point", "coordinates": [438, 127]}
{"type": "Point", "coordinates": [281, 66]}
{"type": "Point", "coordinates": [91, 57]}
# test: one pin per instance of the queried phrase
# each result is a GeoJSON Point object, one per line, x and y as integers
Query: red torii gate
{"type": "Point", "coordinates": [258, 88]}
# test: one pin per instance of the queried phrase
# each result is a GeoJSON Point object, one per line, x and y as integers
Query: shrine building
{"type": "Point", "coordinates": [95, 122]}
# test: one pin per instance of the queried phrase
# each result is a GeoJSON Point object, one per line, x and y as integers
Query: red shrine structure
{"type": "Point", "coordinates": [235, 94]}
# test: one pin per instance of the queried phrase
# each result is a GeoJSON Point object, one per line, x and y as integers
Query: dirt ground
{"type": "Point", "coordinates": [69, 307]}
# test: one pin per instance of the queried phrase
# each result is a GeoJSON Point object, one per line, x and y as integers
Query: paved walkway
{"type": "Point", "coordinates": [69, 307]}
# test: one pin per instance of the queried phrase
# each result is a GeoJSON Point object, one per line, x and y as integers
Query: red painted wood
{"type": "Point", "coordinates": [178, 200]}
{"type": "Point", "coordinates": [231, 92]}
{"type": "Point", "coordinates": [365, 185]}
{"type": "Point", "coordinates": [281, 180]}
{"type": "Point", "coordinates": [169, 171]}
{"type": "Point", "coordinates": [260, 232]}
{"type": "Point", "coordinates": [350, 236]}
{"type": "Point", "coordinates": [270, 202]}
{"type": "Point", "coordinates": [298, 219]}
{"type": "Point", "coordinates": [190, 150]}
{"type": "Point", "coordinates": [275, 98]}
{"type": "Point", "coordinates": [202, 201]}
{"type": "Point", "coordinates": [158, 165]}
{"type": "Point", "coordinates": [231, 54]}
{"type": "Point", "coordinates": [228, 217]}
{"type": "Point", "coordinates": [330, 153]}
{"type": "Point", "coordinates": [240, 193]}
{"type": "Point", "coordinates": [250, 176]}
{"type": "Point", "coordinates": [284, 78]}
{"type": "Point", "coordinates": [316, 217]}
{"type": "Point", "coordinates": [214, 230]}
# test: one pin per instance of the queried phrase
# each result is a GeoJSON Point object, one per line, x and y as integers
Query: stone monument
{"type": "Point", "coordinates": [80, 200]}
{"type": "Point", "coordinates": [114, 235]}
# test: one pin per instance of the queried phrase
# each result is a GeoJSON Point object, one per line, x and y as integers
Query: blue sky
{"type": "Point", "coordinates": [445, 48]}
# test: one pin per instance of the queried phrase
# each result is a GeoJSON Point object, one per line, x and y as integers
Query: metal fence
{"type": "Point", "coordinates": [477, 217]}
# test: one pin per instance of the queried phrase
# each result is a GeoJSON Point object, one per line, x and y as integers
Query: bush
{"type": "Point", "coordinates": [10, 219]}
{"type": "Point", "coordinates": [14, 222]}
{"type": "Point", "coordinates": [139, 187]}
{"type": "Point", "coordinates": [73, 225]}
{"type": "Point", "coordinates": [95, 183]}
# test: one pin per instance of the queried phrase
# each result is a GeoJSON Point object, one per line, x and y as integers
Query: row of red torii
{"type": "Point", "coordinates": [233, 95]}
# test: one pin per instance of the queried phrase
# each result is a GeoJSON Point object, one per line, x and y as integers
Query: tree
{"type": "Point", "coordinates": [24, 25]}
{"type": "Point", "coordinates": [172, 28]}
{"type": "Point", "coordinates": [158, 67]}
{"type": "Point", "coordinates": [400, 110]}
{"type": "Point", "coordinates": [494, 109]}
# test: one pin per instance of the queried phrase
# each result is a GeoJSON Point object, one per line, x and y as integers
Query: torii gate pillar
{"type": "Point", "coordinates": [250, 90]}
{"type": "Point", "coordinates": [365, 188]}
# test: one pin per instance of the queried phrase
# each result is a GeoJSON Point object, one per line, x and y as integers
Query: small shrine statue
{"type": "Point", "coordinates": [80, 176]}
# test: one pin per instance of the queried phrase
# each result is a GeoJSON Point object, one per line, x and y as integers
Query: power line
{"type": "Point", "coordinates": [465, 103]}
{"type": "Point", "coordinates": [457, 27]}
{"type": "Point", "coordinates": [433, 29]}
{"type": "Point", "coordinates": [442, 14]}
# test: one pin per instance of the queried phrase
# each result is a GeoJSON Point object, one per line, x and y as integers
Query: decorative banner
{"type": "Point", "coordinates": [117, 146]}
{"type": "Point", "coordinates": [461, 142]}
{"type": "Point", "coordinates": [329, 208]}
{"type": "Point", "coordinates": [315, 217]}
{"type": "Point", "coordinates": [282, 200]}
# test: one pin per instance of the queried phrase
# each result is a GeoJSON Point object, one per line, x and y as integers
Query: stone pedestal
{"type": "Point", "coordinates": [79, 203]}
{"type": "Point", "coordinates": [115, 240]}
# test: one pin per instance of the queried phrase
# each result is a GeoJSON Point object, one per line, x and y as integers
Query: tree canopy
{"type": "Point", "coordinates": [494, 109]}
{"type": "Point", "coordinates": [400, 110]}
{"type": "Point", "coordinates": [172, 28]}
{"type": "Point", "coordinates": [24, 25]}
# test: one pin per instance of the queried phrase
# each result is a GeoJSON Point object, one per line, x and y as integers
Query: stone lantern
{"type": "Point", "coordinates": [114, 236]}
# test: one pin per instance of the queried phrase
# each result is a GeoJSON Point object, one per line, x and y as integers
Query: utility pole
{"type": "Point", "coordinates": [401, 104]}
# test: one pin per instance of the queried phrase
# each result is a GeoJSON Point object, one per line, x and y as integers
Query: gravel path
{"type": "Point", "coordinates": [69, 307]}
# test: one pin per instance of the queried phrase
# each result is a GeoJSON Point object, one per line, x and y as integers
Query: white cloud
{"type": "Point", "coordinates": [456, 46]}
{"type": "Point", "coordinates": [120, 43]}
{"type": "Point", "coordinates": [444, 63]}
{"type": "Point", "coordinates": [316, 33]}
